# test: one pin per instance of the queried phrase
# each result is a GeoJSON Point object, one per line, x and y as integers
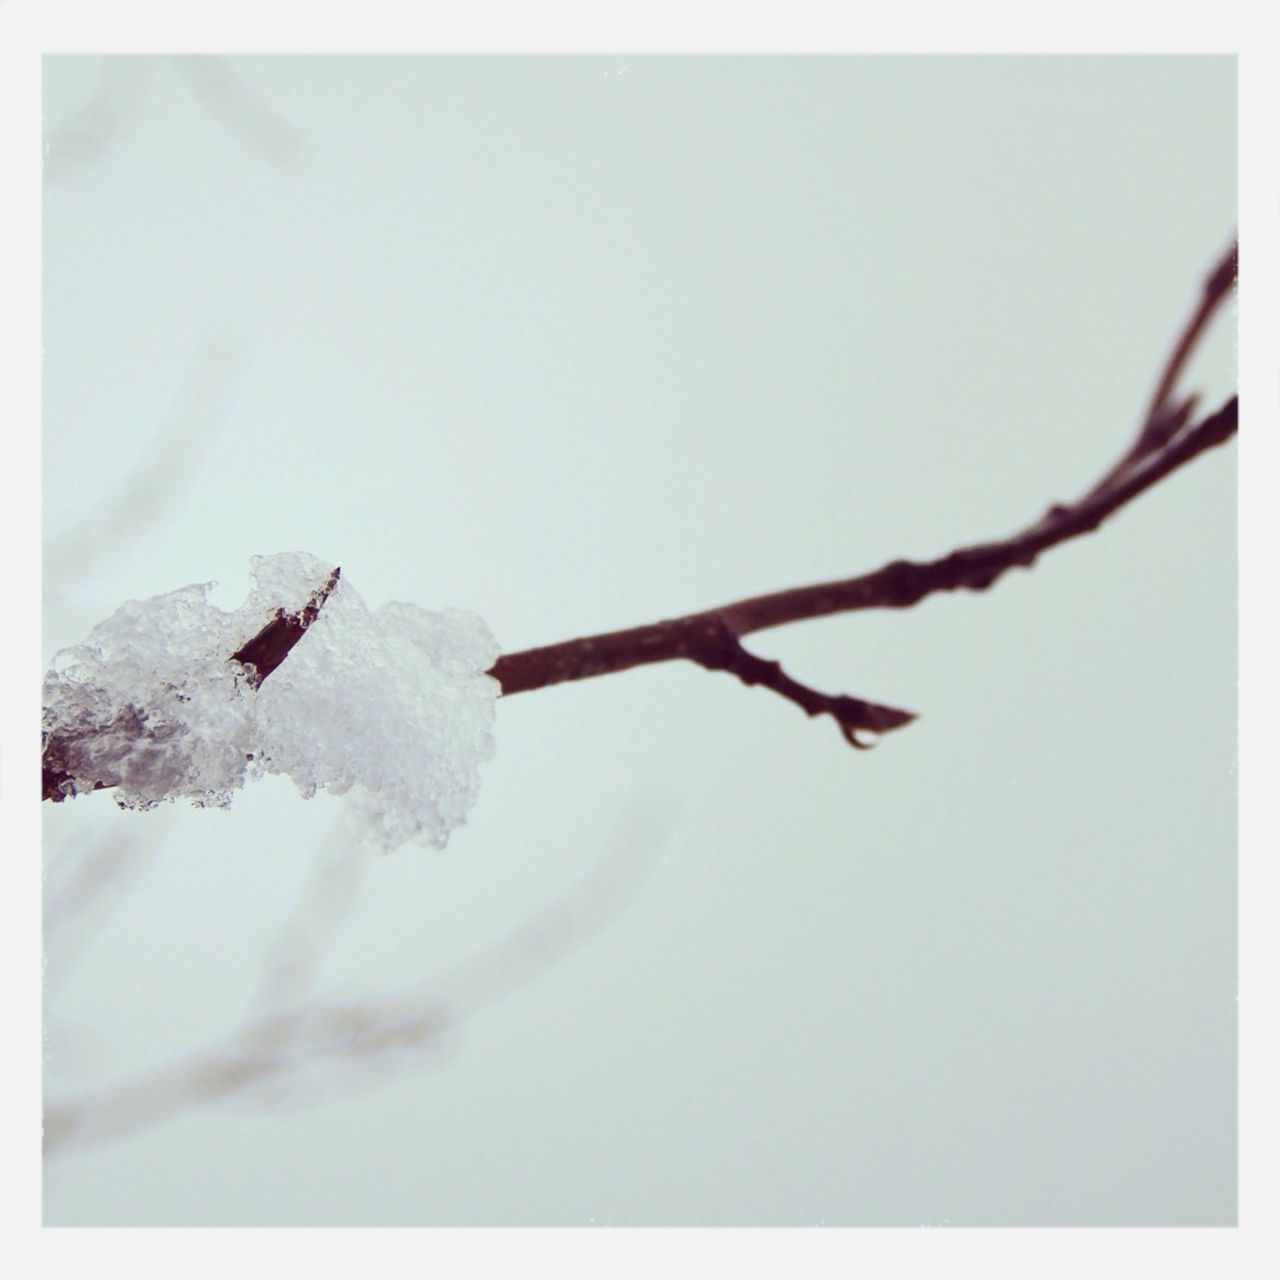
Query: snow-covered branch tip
{"type": "Point", "coordinates": [174, 698]}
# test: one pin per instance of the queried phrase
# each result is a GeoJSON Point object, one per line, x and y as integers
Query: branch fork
{"type": "Point", "coordinates": [713, 644]}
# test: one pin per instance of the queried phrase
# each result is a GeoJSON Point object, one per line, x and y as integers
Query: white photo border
{"type": "Point", "coordinates": [1251, 31]}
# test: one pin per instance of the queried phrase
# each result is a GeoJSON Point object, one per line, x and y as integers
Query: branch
{"type": "Point", "coordinates": [713, 638]}
{"type": "Point", "coordinates": [712, 641]}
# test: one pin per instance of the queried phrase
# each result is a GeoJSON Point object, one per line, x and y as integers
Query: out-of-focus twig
{"type": "Point", "coordinates": [237, 108]}
{"type": "Point", "coordinates": [85, 136]}
{"type": "Point", "coordinates": [357, 1037]}
{"type": "Point", "coordinates": [105, 864]}
{"type": "Point", "coordinates": [99, 880]}
{"type": "Point", "coordinates": [290, 965]}
{"type": "Point", "coordinates": [73, 915]}
{"type": "Point", "coordinates": [189, 428]}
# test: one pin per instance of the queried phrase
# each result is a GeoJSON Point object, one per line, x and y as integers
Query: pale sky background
{"type": "Point", "coordinates": [581, 343]}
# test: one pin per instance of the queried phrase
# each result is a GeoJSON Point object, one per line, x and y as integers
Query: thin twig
{"type": "Point", "coordinates": [250, 118]}
{"type": "Point", "coordinates": [1163, 419]}
{"type": "Point", "coordinates": [290, 966]}
{"type": "Point", "coordinates": [191, 425]}
{"type": "Point", "coordinates": [77, 913]}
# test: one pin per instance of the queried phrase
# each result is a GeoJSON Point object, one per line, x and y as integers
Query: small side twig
{"type": "Point", "coordinates": [1164, 417]}
{"type": "Point", "coordinates": [713, 644]}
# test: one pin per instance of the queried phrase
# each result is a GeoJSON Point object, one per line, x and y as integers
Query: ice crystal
{"type": "Point", "coordinates": [392, 705]}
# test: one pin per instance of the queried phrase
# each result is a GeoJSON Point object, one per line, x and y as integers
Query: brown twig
{"type": "Point", "coordinates": [1163, 419]}
{"type": "Point", "coordinates": [713, 638]}
{"type": "Point", "coordinates": [712, 641]}
{"type": "Point", "coordinates": [1217, 287]}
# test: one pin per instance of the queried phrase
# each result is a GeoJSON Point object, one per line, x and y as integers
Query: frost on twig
{"type": "Point", "coordinates": [169, 698]}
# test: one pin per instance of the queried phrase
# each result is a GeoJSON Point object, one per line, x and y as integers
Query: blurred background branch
{"type": "Point", "coordinates": [311, 1050]}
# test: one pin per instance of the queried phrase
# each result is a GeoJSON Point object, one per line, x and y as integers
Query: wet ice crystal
{"type": "Point", "coordinates": [391, 706]}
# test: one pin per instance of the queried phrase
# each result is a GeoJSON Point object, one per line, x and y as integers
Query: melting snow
{"type": "Point", "coordinates": [392, 705]}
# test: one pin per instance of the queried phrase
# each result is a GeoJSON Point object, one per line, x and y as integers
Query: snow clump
{"type": "Point", "coordinates": [391, 706]}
